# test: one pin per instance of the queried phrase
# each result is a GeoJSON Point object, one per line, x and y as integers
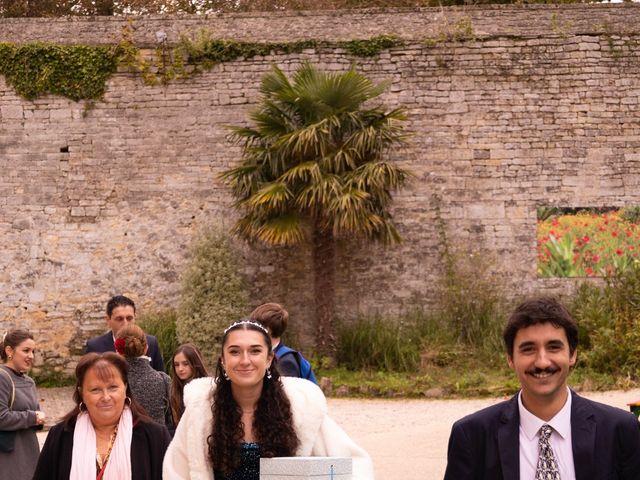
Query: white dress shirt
{"type": "Point", "coordinates": [560, 441]}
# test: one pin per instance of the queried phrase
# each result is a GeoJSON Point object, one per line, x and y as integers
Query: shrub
{"type": "Point", "coordinates": [609, 321]}
{"type": "Point", "coordinates": [162, 325]}
{"type": "Point", "coordinates": [212, 295]}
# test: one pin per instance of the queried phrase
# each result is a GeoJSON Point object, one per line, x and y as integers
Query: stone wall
{"type": "Point", "coordinates": [540, 107]}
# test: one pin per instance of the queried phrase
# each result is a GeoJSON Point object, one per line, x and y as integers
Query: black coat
{"type": "Point", "coordinates": [104, 343]}
{"type": "Point", "coordinates": [148, 444]}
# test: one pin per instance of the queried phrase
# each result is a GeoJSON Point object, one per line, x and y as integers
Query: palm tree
{"type": "Point", "coordinates": [313, 166]}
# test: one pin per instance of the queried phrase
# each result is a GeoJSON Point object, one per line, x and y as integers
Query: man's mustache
{"type": "Point", "coordinates": [538, 371]}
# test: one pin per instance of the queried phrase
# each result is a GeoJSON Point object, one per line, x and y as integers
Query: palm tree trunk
{"type": "Point", "coordinates": [324, 270]}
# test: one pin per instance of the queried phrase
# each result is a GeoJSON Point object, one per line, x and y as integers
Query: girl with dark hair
{"type": "Point", "coordinates": [187, 365]}
{"type": "Point", "coordinates": [107, 435]}
{"type": "Point", "coordinates": [20, 415]}
{"type": "Point", "coordinates": [248, 411]}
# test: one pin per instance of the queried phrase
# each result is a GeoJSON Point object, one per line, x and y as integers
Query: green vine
{"type": "Point", "coordinates": [77, 72]}
{"type": "Point", "coordinates": [205, 49]}
{"type": "Point", "coordinates": [192, 56]}
{"type": "Point", "coordinates": [80, 71]}
{"type": "Point", "coordinates": [372, 46]}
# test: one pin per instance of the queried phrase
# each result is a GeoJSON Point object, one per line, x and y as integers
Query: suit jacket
{"type": "Point", "coordinates": [148, 445]}
{"type": "Point", "coordinates": [485, 445]}
{"type": "Point", "coordinates": [104, 343]}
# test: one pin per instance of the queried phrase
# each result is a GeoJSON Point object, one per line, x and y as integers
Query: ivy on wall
{"type": "Point", "coordinates": [80, 71]}
{"type": "Point", "coordinates": [204, 52]}
{"type": "Point", "coordinates": [205, 49]}
{"type": "Point", "coordinates": [77, 72]}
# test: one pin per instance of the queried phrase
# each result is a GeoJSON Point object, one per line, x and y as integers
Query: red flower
{"type": "Point", "coordinates": [614, 233]}
{"type": "Point", "coordinates": [595, 259]}
{"type": "Point", "coordinates": [119, 344]}
{"type": "Point", "coordinates": [619, 252]}
{"type": "Point", "coordinates": [586, 239]}
{"type": "Point", "coordinates": [589, 270]}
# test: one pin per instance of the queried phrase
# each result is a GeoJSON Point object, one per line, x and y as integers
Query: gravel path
{"type": "Point", "coordinates": [407, 439]}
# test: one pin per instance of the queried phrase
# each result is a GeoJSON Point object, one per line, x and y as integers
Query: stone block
{"type": "Point", "coordinates": [13, 112]}
{"type": "Point", "coordinates": [305, 468]}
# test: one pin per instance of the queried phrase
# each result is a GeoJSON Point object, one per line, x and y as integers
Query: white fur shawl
{"type": "Point", "coordinates": [187, 456]}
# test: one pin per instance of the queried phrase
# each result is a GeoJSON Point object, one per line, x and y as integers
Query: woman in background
{"type": "Point", "coordinates": [149, 387]}
{"type": "Point", "coordinates": [187, 365]}
{"type": "Point", "coordinates": [19, 410]}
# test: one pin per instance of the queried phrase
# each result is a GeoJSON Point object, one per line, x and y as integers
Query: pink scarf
{"type": "Point", "coordinates": [83, 458]}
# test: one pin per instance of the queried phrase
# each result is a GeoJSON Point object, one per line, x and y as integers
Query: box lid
{"type": "Point", "coordinates": [305, 466]}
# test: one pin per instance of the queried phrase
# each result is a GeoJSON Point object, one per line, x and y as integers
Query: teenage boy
{"type": "Point", "coordinates": [121, 311]}
{"type": "Point", "coordinates": [290, 362]}
{"type": "Point", "coordinates": [546, 431]}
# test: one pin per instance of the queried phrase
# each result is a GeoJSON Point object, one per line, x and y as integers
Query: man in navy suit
{"type": "Point", "coordinates": [120, 312]}
{"type": "Point", "coordinates": [588, 440]}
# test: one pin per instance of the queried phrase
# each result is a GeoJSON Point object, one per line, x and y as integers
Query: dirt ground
{"type": "Point", "coordinates": [407, 439]}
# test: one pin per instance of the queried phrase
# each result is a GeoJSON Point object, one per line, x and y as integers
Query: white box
{"type": "Point", "coordinates": [305, 468]}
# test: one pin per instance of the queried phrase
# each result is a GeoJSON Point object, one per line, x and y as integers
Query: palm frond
{"type": "Point", "coordinates": [286, 229]}
{"type": "Point", "coordinates": [306, 172]}
{"type": "Point", "coordinates": [273, 197]}
{"type": "Point", "coordinates": [378, 176]}
{"type": "Point", "coordinates": [317, 196]}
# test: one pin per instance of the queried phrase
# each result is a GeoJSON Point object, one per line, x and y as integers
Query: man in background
{"type": "Point", "coordinates": [121, 311]}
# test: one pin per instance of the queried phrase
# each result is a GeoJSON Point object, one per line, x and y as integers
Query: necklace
{"type": "Point", "coordinates": [101, 459]}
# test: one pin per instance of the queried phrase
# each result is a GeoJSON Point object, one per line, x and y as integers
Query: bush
{"type": "Point", "coordinates": [609, 322]}
{"type": "Point", "coordinates": [162, 325]}
{"type": "Point", "coordinates": [212, 295]}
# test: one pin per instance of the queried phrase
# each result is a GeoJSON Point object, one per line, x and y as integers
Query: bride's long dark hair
{"type": "Point", "coordinates": [272, 420]}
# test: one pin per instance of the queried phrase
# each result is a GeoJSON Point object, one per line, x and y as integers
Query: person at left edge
{"type": "Point", "coordinates": [107, 435]}
{"type": "Point", "coordinates": [121, 311]}
{"type": "Point", "coordinates": [20, 413]}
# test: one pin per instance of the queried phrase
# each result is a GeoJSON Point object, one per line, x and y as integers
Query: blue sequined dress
{"type": "Point", "coordinates": [249, 468]}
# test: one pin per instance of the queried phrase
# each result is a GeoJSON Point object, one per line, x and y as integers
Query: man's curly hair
{"type": "Point", "coordinates": [272, 420]}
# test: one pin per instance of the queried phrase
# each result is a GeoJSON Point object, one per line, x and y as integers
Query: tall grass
{"type": "Point", "coordinates": [380, 344]}
{"type": "Point", "coordinates": [471, 300]}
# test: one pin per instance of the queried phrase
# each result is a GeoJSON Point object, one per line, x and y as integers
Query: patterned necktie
{"type": "Point", "coordinates": [547, 468]}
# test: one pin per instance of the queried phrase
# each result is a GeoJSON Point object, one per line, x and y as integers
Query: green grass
{"type": "Point", "coordinates": [460, 380]}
